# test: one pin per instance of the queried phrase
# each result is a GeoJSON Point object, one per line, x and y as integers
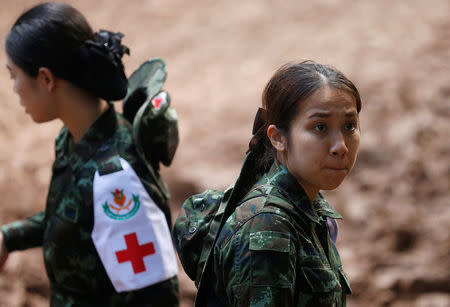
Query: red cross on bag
{"type": "Point", "coordinates": [135, 253]}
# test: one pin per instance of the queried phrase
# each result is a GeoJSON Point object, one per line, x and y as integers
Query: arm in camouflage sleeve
{"type": "Point", "coordinates": [23, 234]}
{"type": "Point", "coordinates": [259, 263]}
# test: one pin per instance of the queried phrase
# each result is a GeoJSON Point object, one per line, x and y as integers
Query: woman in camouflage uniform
{"type": "Point", "coordinates": [104, 232]}
{"type": "Point", "coordinates": [278, 247]}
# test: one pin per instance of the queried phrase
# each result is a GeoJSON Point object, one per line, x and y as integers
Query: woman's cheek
{"type": "Point", "coordinates": [16, 87]}
{"type": "Point", "coordinates": [356, 141]}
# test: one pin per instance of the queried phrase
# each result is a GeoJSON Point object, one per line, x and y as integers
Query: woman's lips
{"type": "Point", "coordinates": [336, 168]}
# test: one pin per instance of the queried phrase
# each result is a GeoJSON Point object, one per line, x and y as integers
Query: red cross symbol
{"type": "Point", "coordinates": [135, 252]}
{"type": "Point", "coordinates": [157, 102]}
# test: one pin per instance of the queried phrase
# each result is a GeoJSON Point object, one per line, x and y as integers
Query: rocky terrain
{"type": "Point", "coordinates": [394, 239]}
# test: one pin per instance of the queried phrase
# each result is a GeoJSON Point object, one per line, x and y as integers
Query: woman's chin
{"type": "Point", "coordinates": [40, 118]}
{"type": "Point", "coordinates": [331, 185]}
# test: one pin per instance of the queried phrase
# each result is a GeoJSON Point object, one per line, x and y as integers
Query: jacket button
{"type": "Point", "coordinates": [192, 229]}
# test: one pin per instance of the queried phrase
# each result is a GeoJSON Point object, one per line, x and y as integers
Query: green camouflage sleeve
{"type": "Point", "coordinates": [23, 234]}
{"type": "Point", "coordinates": [258, 263]}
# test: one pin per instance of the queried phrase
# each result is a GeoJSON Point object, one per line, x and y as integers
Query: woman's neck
{"type": "Point", "coordinates": [79, 110]}
{"type": "Point", "coordinates": [310, 190]}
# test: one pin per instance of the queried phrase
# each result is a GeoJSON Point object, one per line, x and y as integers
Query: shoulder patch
{"type": "Point", "coordinates": [130, 231]}
{"type": "Point", "coordinates": [109, 162]}
{"type": "Point", "coordinates": [269, 241]}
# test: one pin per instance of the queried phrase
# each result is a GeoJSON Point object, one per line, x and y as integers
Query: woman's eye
{"type": "Point", "coordinates": [350, 126]}
{"type": "Point", "coordinates": [319, 127]}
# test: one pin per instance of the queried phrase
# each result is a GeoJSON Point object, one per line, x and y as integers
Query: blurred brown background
{"type": "Point", "coordinates": [394, 239]}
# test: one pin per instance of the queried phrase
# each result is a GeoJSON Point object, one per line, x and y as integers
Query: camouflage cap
{"type": "Point", "coordinates": [155, 129]}
{"type": "Point", "coordinates": [155, 123]}
{"type": "Point", "coordinates": [143, 84]}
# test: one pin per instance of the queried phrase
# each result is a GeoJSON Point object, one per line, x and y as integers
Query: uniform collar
{"type": "Point", "coordinates": [91, 142]}
{"type": "Point", "coordinates": [288, 186]}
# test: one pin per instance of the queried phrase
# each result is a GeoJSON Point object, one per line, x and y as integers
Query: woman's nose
{"type": "Point", "coordinates": [338, 147]}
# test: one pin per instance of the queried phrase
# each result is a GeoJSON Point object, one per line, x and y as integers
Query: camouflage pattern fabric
{"type": "Point", "coordinates": [276, 250]}
{"type": "Point", "coordinates": [199, 221]}
{"type": "Point", "coordinates": [195, 229]}
{"type": "Point", "coordinates": [77, 276]}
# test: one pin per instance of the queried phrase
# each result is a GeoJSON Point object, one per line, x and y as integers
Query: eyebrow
{"type": "Point", "coordinates": [320, 114]}
{"type": "Point", "coordinates": [351, 114]}
{"type": "Point", "coordinates": [328, 114]}
{"type": "Point", "coordinates": [7, 66]}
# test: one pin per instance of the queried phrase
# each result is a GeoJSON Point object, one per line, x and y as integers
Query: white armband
{"type": "Point", "coordinates": [130, 232]}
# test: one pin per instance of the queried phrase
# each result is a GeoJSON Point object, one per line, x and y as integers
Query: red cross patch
{"type": "Point", "coordinates": [157, 102]}
{"type": "Point", "coordinates": [135, 253]}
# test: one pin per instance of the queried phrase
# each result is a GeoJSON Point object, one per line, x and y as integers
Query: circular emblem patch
{"type": "Point", "coordinates": [122, 209]}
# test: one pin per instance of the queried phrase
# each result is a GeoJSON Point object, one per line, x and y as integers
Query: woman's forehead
{"type": "Point", "coordinates": [328, 99]}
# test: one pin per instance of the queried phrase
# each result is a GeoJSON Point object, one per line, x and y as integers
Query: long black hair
{"type": "Point", "coordinates": [58, 37]}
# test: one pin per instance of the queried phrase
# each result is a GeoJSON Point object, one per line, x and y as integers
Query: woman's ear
{"type": "Point", "coordinates": [277, 138]}
{"type": "Point", "coordinates": [46, 79]}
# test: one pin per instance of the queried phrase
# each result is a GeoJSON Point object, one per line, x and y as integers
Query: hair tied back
{"type": "Point", "coordinates": [258, 129]}
{"type": "Point", "coordinates": [109, 45]}
{"type": "Point", "coordinates": [101, 60]}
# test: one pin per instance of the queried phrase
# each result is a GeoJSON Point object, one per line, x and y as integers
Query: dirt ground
{"type": "Point", "coordinates": [394, 239]}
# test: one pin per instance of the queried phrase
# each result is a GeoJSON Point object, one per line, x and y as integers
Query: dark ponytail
{"type": "Point", "coordinates": [58, 37]}
{"type": "Point", "coordinates": [259, 144]}
{"type": "Point", "coordinates": [289, 86]}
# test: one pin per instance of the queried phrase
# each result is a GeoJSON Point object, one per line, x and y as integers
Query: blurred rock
{"type": "Point", "coordinates": [394, 239]}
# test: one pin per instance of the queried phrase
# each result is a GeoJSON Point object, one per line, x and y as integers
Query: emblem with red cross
{"type": "Point", "coordinates": [157, 102]}
{"type": "Point", "coordinates": [135, 253]}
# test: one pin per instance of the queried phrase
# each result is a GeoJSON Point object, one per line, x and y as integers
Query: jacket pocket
{"type": "Point", "coordinates": [62, 227]}
{"type": "Point", "coordinates": [320, 279]}
{"type": "Point", "coordinates": [271, 263]}
{"type": "Point", "coordinates": [319, 286]}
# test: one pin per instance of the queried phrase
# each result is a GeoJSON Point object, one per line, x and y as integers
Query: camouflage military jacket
{"type": "Point", "coordinates": [276, 250]}
{"type": "Point", "coordinates": [77, 276]}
